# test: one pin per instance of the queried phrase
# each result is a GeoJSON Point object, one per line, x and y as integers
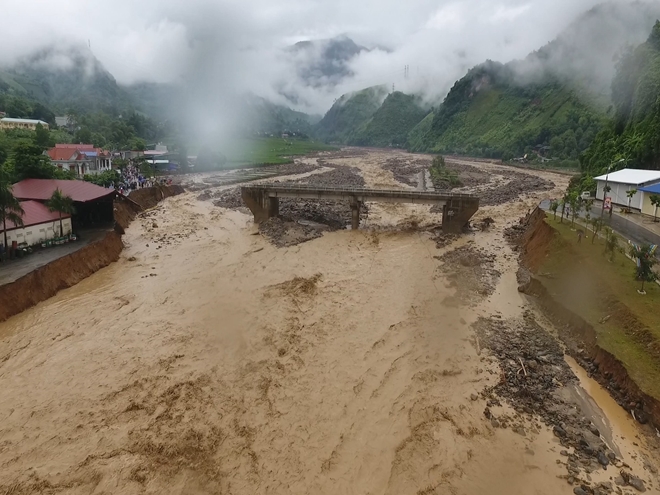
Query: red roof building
{"type": "Point", "coordinates": [35, 213]}
{"type": "Point", "coordinates": [80, 159]}
{"type": "Point", "coordinates": [42, 189]}
{"type": "Point", "coordinates": [39, 225]}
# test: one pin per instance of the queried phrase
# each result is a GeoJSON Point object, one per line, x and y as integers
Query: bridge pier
{"type": "Point", "coordinates": [262, 206]}
{"type": "Point", "coordinates": [273, 207]}
{"type": "Point", "coordinates": [456, 214]}
{"type": "Point", "coordinates": [355, 213]}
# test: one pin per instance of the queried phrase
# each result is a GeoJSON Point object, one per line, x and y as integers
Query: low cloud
{"type": "Point", "coordinates": [220, 49]}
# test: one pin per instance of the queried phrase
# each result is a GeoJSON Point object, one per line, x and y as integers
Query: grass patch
{"type": "Point", "coordinates": [272, 151]}
{"type": "Point", "coordinates": [605, 294]}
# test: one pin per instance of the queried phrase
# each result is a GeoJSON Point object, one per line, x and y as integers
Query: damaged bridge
{"type": "Point", "coordinates": [263, 200]}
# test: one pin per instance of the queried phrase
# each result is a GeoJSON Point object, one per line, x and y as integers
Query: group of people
{"type": "Point", "coordinates": [131, 179]}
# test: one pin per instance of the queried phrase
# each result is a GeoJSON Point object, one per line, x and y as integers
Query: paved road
{"type": "Point", "coordinates": [621, 225]}
{"type": "Point", "coordinates": [11, 270]}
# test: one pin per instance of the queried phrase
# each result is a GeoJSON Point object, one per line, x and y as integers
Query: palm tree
{"type": "Point", "coordinates": [60, 203]}
{"type": "Point", "coordinates": [10, 208]}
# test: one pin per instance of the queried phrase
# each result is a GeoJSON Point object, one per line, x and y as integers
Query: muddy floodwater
{"type": "Point", "coordinates": [209, 361]}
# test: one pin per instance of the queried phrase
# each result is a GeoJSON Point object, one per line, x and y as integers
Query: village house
{"type": "Point", "coordinates": [30, 124]}
{"type": "Point", "coordinates": [81, 159]}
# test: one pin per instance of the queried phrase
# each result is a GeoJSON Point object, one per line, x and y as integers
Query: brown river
{"type": "Point", "coordinates": [207, 361]}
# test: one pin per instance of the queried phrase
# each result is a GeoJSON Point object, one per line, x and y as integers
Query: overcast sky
{"type": "Point", "coordinates": [237, 43]}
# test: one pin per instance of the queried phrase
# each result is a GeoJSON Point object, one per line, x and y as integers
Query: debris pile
{"type": "Point", "coordinates": [471, 270]}
{"type": "Point", "coordinates": [535, 380]}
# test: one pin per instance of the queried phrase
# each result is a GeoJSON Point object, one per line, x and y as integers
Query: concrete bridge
{"type": "Point", "coordinates": [263, 200]}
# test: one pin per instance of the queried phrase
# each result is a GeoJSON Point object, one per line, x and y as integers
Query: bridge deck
{"type": "Point", "coordinates": [361, 194]}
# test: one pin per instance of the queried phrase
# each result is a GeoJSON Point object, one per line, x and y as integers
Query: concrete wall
{"type": "Point", "coordinates": [36, 234]}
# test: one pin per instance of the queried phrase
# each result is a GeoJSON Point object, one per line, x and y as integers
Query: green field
{"type": "Point", "coordinates": [269, 151]}
{"type": "Point", "coordinates": [605, 294]}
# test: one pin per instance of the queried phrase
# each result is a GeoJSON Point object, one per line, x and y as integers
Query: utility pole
{"type": "Point", "coordinates": [607, 176]}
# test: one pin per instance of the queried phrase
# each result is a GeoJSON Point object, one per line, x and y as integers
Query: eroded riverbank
{"type": "Point", "coordinates": [207, 360]}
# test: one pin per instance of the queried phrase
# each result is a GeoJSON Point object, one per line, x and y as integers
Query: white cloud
{"type": "Point", "coordinates": [228, 46]}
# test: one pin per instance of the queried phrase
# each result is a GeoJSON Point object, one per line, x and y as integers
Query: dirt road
{"type": "Point", "coordinates": [209, 361]}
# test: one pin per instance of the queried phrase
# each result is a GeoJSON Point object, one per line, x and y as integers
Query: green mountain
{"type": "Point", "coordinates": [487, 113]}
{"type": "Point", "coordinates": [66, 79]}
{"type": "Point", "coordinates": [556, 98]}
{"type": "Point", "coordinates": [391, 123]}
{"type": "Point", "coordinates": [633, 134]}
{"type": "Point", "coordinates": [349, 114]}
{"type": "Point", "coordinates": [260, 116]}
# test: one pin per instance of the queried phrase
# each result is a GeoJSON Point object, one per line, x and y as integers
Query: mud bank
{"type": "Point", "coordinates": [140, 200]}
{"type": "Point", "coordinates": [48, 280]}
{"type": "Point", "coordinates": [533, 237]}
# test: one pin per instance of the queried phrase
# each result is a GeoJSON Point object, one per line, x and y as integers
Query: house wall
{"type": "Point", "coordinates": [647, 207]}
{"type": "Point", "coordinates": [618, 194]}
{"type": "Point", "coordinates": [78, 167]}
{"type": "Point", "coordinates": [36, 234]}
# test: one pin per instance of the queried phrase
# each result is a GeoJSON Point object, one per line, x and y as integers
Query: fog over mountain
{"type": "Point", "coordinates": [299, 53]}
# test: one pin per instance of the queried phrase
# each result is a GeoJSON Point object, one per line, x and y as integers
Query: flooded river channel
{"type": "Point", "coordinates": [206, 360]}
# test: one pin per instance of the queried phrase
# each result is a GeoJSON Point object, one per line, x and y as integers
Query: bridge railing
{"type": "Point", "coordinates": [365, 191]}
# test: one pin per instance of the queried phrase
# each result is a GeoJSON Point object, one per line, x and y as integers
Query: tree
{"type": "Point", "coordinates": [138, 144]}
{"type": "Point", "coordinates": [645, 261]}
{"type": "Point", "coordinates": [41, 137]}
{"type": "Point", "coordinates": [10, 207]}
{"type": "Point", "coordinates": [563, 202]}
{"type": "Point", "coordinates": [611, 243]}
{"type": "Point", "coordinates": [60, 203]}
{"type": "Point", "coordinates": [655, 201]}
{"type": "Point", "coordinates": [82, 136]}
{"type": "Point", "coordinates": [120, 163]}
{"type": "Point", "coordinates": [553, 208]}
{"type": "Point", "coordinates": [597, 225]}
{"type": "Point", "coordinates": [630, 195]}
{"type": "Point", "coordinates": [30, 163]}
{"type": "Point", "coordinates": [574, 202]}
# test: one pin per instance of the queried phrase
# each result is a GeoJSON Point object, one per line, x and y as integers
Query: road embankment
{"type": "Point", "coordinates": [537, 241]}
{"type": "Point", "coordinates": [48, 280]}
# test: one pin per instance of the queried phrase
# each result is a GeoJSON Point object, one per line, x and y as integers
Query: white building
{"type": "Point", "coordinates": [39, 225]}
{"type": "Point", "coordinates": [625, 180]}
{"type": "Point", "coordinates": [30, 124]}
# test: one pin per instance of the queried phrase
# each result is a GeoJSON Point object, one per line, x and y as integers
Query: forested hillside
{"type": "Point", "coordinates": [556, 98]}
{"type": "Point", "coordinates": [349, 113]}
{"type": "Point", "coordinates": [633, 134]}
{"type": "Point", "coordinates": [392, 122]}
{"type": "Point", "coordinates": [66, 79]}
{"type": "Point", "coordinates": [487, 113]}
